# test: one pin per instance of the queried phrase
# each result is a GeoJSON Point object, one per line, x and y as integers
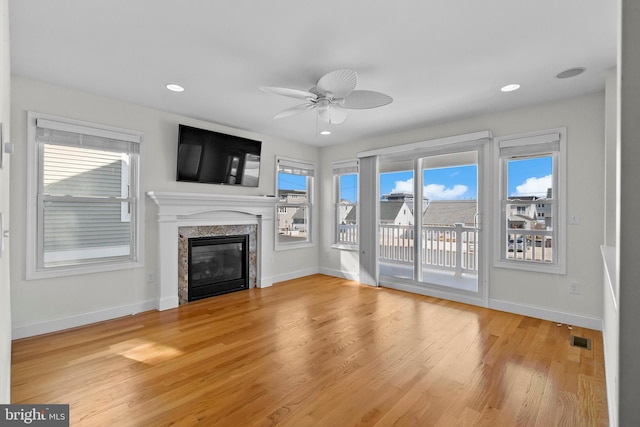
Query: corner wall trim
{"type": "Point", "coordinates": [341, 274]}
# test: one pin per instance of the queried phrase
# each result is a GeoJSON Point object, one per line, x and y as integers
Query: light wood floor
{"type": "Point", "coordinates": [317, 351]}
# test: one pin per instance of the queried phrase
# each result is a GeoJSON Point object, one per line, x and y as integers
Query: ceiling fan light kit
{"type": "Point", "coordinates": [334, 93]}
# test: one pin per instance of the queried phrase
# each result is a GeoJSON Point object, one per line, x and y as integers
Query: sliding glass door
{"type": "Point", "coordinates": [430, 206]}
{"type": "Point", "coordinates": [449, 222]}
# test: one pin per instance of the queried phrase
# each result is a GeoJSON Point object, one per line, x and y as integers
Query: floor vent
{"type": "Point", "coordinates": [581, 342]}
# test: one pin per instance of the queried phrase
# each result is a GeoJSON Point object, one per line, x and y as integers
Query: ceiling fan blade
{"type": "Point", "coordinates": [332, 114]}
{"type": "Point", "coordinates": [294, 110]}
{"type": "Point", "coordinates": [291, 93]}
{"type": "Point", "coordinates": [338, 83]}
{"type": "Point", "coordinates": [363, 99]}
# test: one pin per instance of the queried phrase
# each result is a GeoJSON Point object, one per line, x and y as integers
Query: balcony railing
{"type": "Point", "coordinates": [348, 234]}
{"type": "Point", "coordinates": [443, 248]}
{"type": "Point", "coordinates": [535, 246]}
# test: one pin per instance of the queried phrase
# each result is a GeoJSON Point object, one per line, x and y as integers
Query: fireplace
{"type": "Point", "coordinates": [217, 265]}
{"type": "Point", "coordinates": [182, 216]}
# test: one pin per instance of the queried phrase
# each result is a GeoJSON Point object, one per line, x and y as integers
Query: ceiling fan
{"type": "Point", "coordinates": [331, 97]}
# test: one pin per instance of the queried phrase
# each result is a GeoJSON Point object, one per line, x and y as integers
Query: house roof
{"type": "Point", "coordinates": [389, 210]}
{"type": "Point", "coordinates": [449, 212]}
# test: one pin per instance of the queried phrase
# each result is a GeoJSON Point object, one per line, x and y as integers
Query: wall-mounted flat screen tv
{"type": "Point", "coordinates": [217, 158]}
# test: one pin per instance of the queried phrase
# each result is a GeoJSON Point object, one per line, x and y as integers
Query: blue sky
{"type": "Point", "coordinates": [527, 177]}
{"type": "Point", "coordinates": [288, 181]}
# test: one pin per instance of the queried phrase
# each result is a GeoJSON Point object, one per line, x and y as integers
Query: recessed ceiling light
{"type": "Point", "coordinates": [571, 72]}
{"type": "Point", "coordinates": [510, 88]}
{"type": "Point", "coordinates": [175, 88]}
{"type": "Point", "coordinates": [325, 132]}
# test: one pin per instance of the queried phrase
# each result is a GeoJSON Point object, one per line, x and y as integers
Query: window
{"type": "Point", "coordinates": [295, 201]}
{"type": "Point", "coordinates": [345, 182]}
{"type": "Point", "coordinates": [532, 203]}
{"type": "Point", "coordinates": [83, 192]}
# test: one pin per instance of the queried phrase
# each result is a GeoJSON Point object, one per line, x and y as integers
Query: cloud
{"type": "Point", "coordinates": [440, 192]}
{"type": "Point", "coordinates": [403, 186]}
{"type": "Point", "coordinates": [432, 191]}
{"type": "Point", "coordinates": [534, 186]}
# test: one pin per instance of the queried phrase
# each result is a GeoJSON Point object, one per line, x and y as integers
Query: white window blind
{"type": "Point", "coordinates": [294, 167]}
{"type": "Point", "coordinates": [532, 145]}
{"type": "Point", "coordinates": [345, 167]}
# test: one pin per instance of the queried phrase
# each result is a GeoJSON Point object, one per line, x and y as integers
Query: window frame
{"type": "Point", "coordinates": [35, 208]}
{"type": "Point", "coordinates": [551, 142]}
{"type": "Point", "coordinates": [339, 169]}
{"type": "Point", "coordinates": [309, 204]}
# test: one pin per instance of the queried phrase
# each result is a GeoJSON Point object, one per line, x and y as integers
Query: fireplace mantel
{"type": "Point", "coordinates": [192, 209]}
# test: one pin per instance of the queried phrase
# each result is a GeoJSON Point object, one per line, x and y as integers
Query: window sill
{"type": "Point", "coordinates": [527, 266]}
{"type": "Point", "coordinates": [289, 246]}
{"type": "Point", "coordinates": [345, 247]}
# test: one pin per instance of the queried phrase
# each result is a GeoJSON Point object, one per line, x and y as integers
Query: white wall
{"type": "Point", "coordinates": [45, 305]}
{"type": "Point", "coordinates": [543, 295]}
{"type": "Point", "coordinates": [5, 298]}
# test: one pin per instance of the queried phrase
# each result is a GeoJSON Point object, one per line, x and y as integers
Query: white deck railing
{"type": "Point", "coordinates": [535, 246]}
{"type": "Point", "coordinates": [443, 248]}
{"type": "Point", "coordinates": [348, 234]}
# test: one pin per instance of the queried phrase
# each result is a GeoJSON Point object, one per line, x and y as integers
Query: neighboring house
{"type": "Point", "coordinates": [299, 220]}
{"type": "Point", "coordinates": [67, 170]}
{"type": "Point", "coordinates": [441, 213]}
{"type": "Point", "coordinates": [398, 197]}
{"type": "Point", "coordinates": [344, 208]}
{"type": "Point", "coordinates": [530, 213]}
{"type": "Point", "coordinates": [395, 213]}
{"type": "Point", "coordinates": [404, 197]}
{"type": "Point", "coordinates": [544, 211]}
{"type": "Point", "coordinates": [522, 213]}
{"type": "Point", "coordinates": [291, 217]}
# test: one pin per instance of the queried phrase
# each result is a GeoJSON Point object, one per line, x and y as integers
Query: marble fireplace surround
{"type": "Point", "coordinates": [202, 210]}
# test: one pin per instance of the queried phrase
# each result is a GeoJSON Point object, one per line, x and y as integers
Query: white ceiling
{"type": "Point", "coordinates": [439, 60]}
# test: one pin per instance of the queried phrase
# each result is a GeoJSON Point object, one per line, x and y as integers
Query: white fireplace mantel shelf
{"type": "Point", "coordinates": [185, 204]}
{"type": "Point", "coordinates": [184, 209]}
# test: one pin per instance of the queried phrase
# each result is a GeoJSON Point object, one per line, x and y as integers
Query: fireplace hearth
{"type": "Point", "coordinates": [217, 265]}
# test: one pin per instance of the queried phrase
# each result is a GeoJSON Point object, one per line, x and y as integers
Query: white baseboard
{"type": "Point", "coordinates": [510, 307]}
{"type": "Point", "coordinates": [342, 274]}
{"type": "Point", "coordinates": [168, 303]}
{"type": "Point", "coordinates": [421, 290]}
{"type": "Point", "coordinates": [547, 314]}
{"type": "Point", "coordinates": [294, 275]}
{"type": "Point", "coordinates": [81, 320]}
{"type": "Point", "coordinates": [265, 282]}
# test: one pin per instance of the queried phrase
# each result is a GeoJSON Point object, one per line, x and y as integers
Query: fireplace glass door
{"type": "Point", "coordinates": [217, 265]}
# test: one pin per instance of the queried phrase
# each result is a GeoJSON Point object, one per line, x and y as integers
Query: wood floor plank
{"type": "Point", "coordinates": [317, 351]}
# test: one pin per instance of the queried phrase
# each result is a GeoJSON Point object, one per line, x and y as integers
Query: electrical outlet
{"type": "Point", "coordinates": [150, 276]}
{"type": "Point", "coordinates": [574, 288]}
